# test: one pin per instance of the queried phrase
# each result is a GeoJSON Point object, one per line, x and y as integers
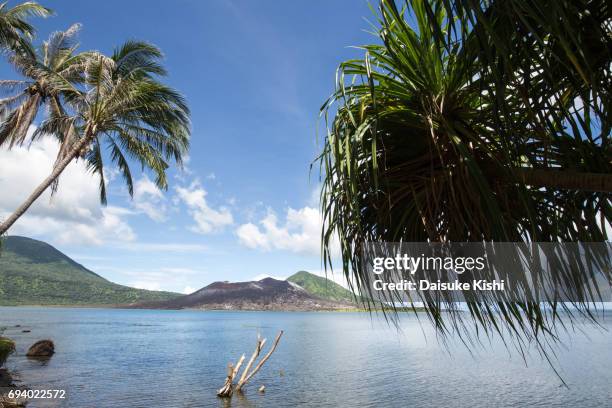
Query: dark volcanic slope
{"type": "Point", "coordinates": [266, 294]}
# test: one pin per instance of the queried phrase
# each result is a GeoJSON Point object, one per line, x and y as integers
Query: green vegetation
{"type": "Point", "coordinates": [7, 346]}
{"type": "Point", "coordinates": [473, 121]}
{"type": "Point", "coordinates": [91, 103]}
{"type": "Point", "coordinates": [322, 287]}
{"type": "Point", "coordinates": [15, 31]}
{"type": "Point", "coordinates": [35, 273]}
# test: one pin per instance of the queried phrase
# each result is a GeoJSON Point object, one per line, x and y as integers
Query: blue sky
{"type": "Point", "coordinates": [255, 74]}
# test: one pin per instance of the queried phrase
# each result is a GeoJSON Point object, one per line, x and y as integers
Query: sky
{"type": "Point", "coordinates": [255, 74]}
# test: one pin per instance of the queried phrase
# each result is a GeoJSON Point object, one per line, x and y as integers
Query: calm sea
{"type": "Point", "coordinates": [145, 358]}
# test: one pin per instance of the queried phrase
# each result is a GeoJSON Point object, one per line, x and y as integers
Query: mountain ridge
{"type": "Point", "coordinates": [33, 272]}
{"type": "Point", "coordinates": [264, 294]}
{"type": "Point", "coordinates": [322, 287]}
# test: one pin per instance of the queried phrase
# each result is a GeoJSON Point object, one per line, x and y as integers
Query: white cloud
{"type": "Point", "coordinates": [74, 214]}
{"type": "Point", "coordinates": [146, 285]}
{"type": "Point", "coordinates": [110, 174]}
{"type": "Point", "coordinates": [188, 290]}
{"type": "Point", "coordinates": [299, 233]}
{"type": "Point", "coordinates": [149, 199]}
{"type": "Point", "coordinates": [251, 237]}
{"type": "Point", "coordinates": [207, 219]}
{"type": "Point", "coordinates": [315, 196]}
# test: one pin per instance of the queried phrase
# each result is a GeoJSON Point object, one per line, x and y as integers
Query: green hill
{"type": "Point", "coordinates": [321, 287]}
{"type": "Point", "coordinates": [34, 273]}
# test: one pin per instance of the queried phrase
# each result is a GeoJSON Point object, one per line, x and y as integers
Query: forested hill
{"type": "Point", "coordinates": [35, 273]}
{"type": "Point", "coordinates": [321, 287]}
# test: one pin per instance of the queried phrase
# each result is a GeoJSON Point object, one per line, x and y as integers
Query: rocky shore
{"type": "Point", "coordinates": [6, 381]}
{"type": "Point", "coordinates": [6, 385]}
{"type": "Point", "coordinates": [42, 349]}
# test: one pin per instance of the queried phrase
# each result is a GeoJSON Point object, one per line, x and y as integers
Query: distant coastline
{"type": "Point", "coordinates": [34, 273]}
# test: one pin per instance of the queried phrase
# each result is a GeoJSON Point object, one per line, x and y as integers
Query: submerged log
{"type": "Point", "coordinates": [260, 344]}
{"type": "Point", "coordinates": [261, 363]}
{"type": "Point", "coordinates": [228, 388]}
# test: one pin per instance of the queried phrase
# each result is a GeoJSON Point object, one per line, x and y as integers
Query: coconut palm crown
{"type": "Point", "coordinates": [123, 108]}
{"type": "Point", "coordinates": [51, 72]}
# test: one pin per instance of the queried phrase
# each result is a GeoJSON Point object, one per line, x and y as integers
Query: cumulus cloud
{"type": "Point", "coordinates": [149, 199]}
{"type": "Point", "coordinates": [300, 232]}
{"type": "Point", "coordinates": [74, 214]}
{"type": "Point", "coordinates": [207, 219]}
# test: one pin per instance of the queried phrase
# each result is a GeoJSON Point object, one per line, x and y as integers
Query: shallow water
{"type": "Point", "coordinates": [146, 358]}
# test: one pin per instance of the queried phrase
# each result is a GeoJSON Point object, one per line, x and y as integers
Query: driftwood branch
{"type": "Point", "coordinates": [232, 372]}
{"type": "Point", "coordinates": [263, 360]}
{"type": "Point", "coordinates": [228, 388]}
{"type": "Point", "coordinates": [260, 344]}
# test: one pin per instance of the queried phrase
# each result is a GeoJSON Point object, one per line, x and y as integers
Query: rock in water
{"type": "Point", "coordinates": [262, 389]}
{"type": "Point", "coordinates": [42, 348]}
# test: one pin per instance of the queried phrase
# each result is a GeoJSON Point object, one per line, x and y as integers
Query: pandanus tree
{"type": "Point", "coordinates": [15, 31]}
{"type": "Point", "coordinates": [122, 108]}
{"type": "Point", "coordinates": [472, 121]}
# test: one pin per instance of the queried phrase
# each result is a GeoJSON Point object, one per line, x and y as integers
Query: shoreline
{"type": "Point", "coordinates": [220, 310]}
{"type": "Point", "coordinates": [135, 307]}
{"type": "Point", "coordinates": [7, 385]}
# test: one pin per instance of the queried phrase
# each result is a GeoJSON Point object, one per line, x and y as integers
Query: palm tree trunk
{"type": "Point", "coordinates": [57, 170]}
{"type": "Point", "coordinates": [565, 180]}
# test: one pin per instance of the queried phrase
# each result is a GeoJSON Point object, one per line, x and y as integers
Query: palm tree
{"type": "Point", "coordinates": [123, 108]}
{"type": "Point", "coordinates": [14, 27]}
{"type": "Point", "coordinates": [466, 127]}
{"type": "Point", "coordinates": [53, 71]}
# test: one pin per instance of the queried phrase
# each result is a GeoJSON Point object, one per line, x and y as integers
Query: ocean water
{"type": "Point", "coordinates": [146, 358]}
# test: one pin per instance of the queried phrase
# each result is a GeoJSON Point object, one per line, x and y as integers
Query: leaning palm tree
{"type": "Point", "coordinates": [440, 134]}
{"type": "Point", "coordinates": [14, 27]}
{"type": "Point", "coordinates": [52, 72]}
{"type": "Point", "coordinates": [123, 108]}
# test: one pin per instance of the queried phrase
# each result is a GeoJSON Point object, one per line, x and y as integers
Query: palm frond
{"type": "Point", "coordinates": [60, 46]}
{"type": "Point", "coordinates": [448, 130]}
{"type": "Point", "coordinates": [95, 164]}
{"type": "Point", "coordinates": [138, 57]}
{"type": "Point", "coordinates": [15, 30]}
